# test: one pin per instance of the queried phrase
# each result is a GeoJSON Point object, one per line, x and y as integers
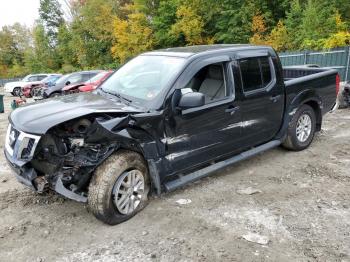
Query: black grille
{"type": "Point", "coordinates": [26, 151]}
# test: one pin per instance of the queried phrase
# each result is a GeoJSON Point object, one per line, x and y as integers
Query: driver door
{"type": "Point", "coordinates": [196, 136]}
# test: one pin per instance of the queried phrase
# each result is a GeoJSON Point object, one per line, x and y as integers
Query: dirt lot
{"type": "Point", "coordinates": [301, 209]}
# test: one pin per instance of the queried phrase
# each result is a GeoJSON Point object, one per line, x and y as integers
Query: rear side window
{"type": "Point", "coordinates": [86, 77]}
{"type": "Point", "coordinates": [41, 77]}
{"type": "Point", "coordinates": [32, 79]}
{"type": "Point", "coordinates": [265, 70]}
{"type": "Point", "coordinates": [74, 78]}
{"type": "Point", "coordinates": [255, 73]}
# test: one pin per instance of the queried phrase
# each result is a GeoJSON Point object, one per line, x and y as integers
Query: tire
{"type": "Point", "coordinates": [54, 95]}
{"type": "Point", "coordinates": [299, 142]}
{"type": "Point", "coordinates": [31, 94]}
{"type": "Point", "coordinates": [16, 91]}
{"type": "Point", "coordinates": [102, 195]}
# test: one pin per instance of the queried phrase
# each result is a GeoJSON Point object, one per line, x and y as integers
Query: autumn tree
{"type": "Point", "coordinates": [14, 41]}
{"type": "Point", "coordinates": [105, 33]}
{"type": "Point", "coordinates": [278, 38]}
{"type": "Point", "coordinates": [132, 35]}
{"type": "Point", "coordinates": [92, 33]}
{"type": "Point", "coordinates": [258, 29]}
{"type": "Point", "coordinates": [342, 35]}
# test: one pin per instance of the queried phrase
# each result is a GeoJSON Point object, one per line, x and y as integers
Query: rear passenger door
{"type": "Point", "coordinates": [261, 99]}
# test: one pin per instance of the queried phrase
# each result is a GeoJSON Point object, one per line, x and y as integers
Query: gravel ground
{"type": "Point", "coordinates": [278, 206]}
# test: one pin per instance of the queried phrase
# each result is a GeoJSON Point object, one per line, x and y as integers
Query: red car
{"type": "Point", "coordinates": [88, 86]}
{"type": "Point", "coordinates": [51, 79]}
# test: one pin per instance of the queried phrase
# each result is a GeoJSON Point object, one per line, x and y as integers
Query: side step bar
{"type": "Point", "coordinates": [174, 184]}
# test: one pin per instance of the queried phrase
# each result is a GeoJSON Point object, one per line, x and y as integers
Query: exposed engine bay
{"type": "Point", "coordinates": [65, 155]}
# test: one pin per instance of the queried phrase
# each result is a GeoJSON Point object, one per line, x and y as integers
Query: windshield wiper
{"type": "Point", "coordinates": [117, 95]}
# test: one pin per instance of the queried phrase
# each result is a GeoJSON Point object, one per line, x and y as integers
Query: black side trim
{"type": "Point", "coordinates": [181, 181]}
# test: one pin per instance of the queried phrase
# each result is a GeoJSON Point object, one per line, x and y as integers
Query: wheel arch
{"type": "Point", "coordinates": [316, 107]}
{"type": "Point", "coordinates": [308, 97]}
{"type": "Point", "coordinates": [137, 139]}
{"type": "Point", "coordinates": [15, 87]}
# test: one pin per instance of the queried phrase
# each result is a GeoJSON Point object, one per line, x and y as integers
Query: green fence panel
{"type": "Point", "coordinates": [338, 58]}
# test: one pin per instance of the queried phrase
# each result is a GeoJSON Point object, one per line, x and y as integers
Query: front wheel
{"type": "Point", "coordinates": [119, 188]}
{"type": "Point", "coordinates": [54, 95]}
{"type": "Point", "coordinates": [301, 129]}
{"type": "Point", "coordinates": [16, 91]}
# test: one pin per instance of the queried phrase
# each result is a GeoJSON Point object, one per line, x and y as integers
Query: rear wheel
{"type": "Point", "coordinates": [119, 188]}
{"type": "Point", "coordinates": [301, 129]}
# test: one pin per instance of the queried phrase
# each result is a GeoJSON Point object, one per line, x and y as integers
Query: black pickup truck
{"type": "Point", "coordinates": [163, 120]}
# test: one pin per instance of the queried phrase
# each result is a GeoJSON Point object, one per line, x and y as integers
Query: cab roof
{"type": "Point", "coordinates": [189, 51]}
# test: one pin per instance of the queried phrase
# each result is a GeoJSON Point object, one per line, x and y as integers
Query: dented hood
{"type": "Point", "coordinates": [37, 118]}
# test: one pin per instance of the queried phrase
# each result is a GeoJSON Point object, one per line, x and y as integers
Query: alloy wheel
{"type": "Point", "coordinates": [304, 127]}
{"type": "Point", "coordinates": [128, 191]}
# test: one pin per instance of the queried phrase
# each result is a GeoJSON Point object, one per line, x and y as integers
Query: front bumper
{"type": "Point", "coordinates": [27, 177]}
{"type": "Point", "coordinates": [23, 174]}
{"type": "Point", "coordinates": [19, 150]}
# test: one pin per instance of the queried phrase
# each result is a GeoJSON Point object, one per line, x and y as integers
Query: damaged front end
{"type": "Point", "coordinates": [63, 159]}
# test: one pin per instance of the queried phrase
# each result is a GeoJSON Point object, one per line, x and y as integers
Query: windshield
{"type": "Point", "coordinates": [144, 77]}
{"type": "Point", "coordinates": [26, 79]}
{"type": "Point", "coordinates": [98, 77]}
{"type": "Point", "coordinates": [49, 78]}
{"type": "Point", "coordinates": [54, 79]}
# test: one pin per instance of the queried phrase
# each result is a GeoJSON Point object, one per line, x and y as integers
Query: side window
{"type": "Point", "coordinates": [255, 73]}
{"type": "Point", "coordinates": [86, 77]}
{"type": "Point", "coordinates": [265, 70]}
{"type": "Point", "coordinates": [251, 75]}
{"type": "Point", "coordinates": [41, 77]}
{"type": "Point", "coordinates": [210, 81]}
{"type": "Point", "coordinates": [32, 79]}
{"type": "Point", "coordinates": [74, 79]}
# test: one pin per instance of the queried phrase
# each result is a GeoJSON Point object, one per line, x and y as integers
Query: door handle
{"type": "Point", "coordinates": [274, 99]}
{"type": "Point", "coordinates": [232, 109]}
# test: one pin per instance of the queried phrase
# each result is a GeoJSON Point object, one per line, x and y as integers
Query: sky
{"type": "Point", "coordinates": [22, 11]}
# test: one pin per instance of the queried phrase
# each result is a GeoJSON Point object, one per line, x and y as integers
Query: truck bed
{"type": "Point", "coordinates": [292, 72]}
{"type": "Point", "coordinates": [320, 81]}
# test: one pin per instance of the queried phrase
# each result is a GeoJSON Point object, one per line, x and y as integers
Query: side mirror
{"type": "Point", "coordinates": [67, 83]}
{"type": "Point", "coordinates": [190, 100]}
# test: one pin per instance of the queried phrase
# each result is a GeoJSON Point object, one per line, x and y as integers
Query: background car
{"type": "Point", "coordinates": [343, 98]}
{"type": "Point", "coordinates": [15, 88]}
{"type": "Point", "coordinates": [88, 86]}
{"type": "Point", "coordinates": [50, 80]}
{"type": "Point", "coordinates": [73, 78]}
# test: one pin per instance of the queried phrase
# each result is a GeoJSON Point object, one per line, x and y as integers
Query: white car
{"type": "Point", "coordinates": [15, 88]}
